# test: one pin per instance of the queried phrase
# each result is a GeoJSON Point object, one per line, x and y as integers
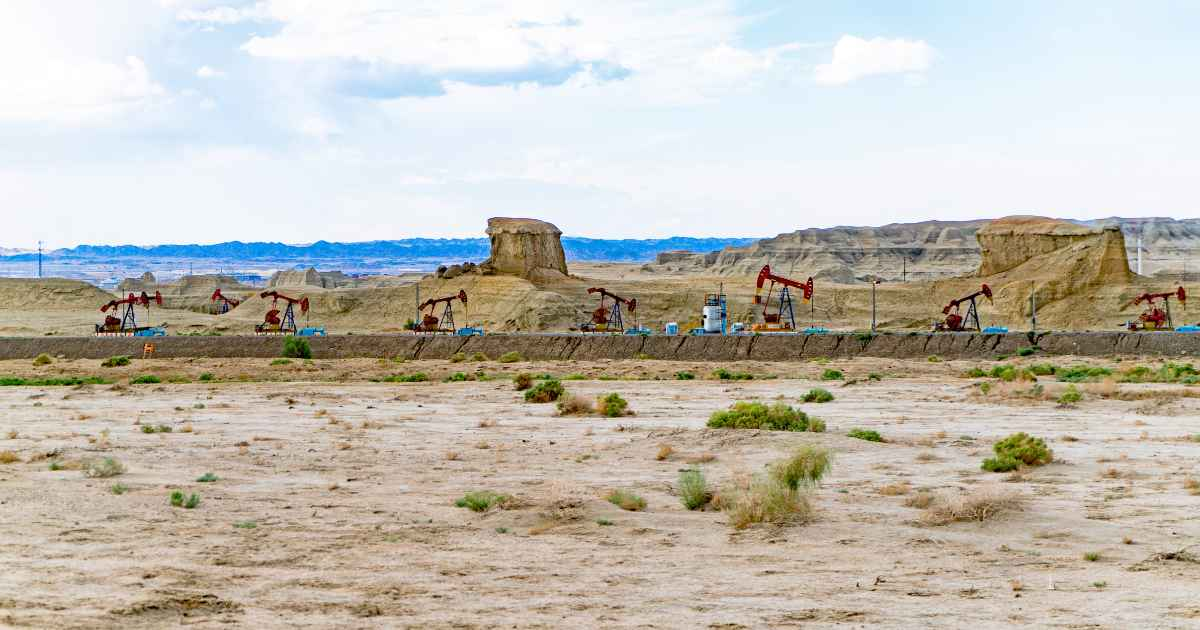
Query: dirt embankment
{"type": "Point", "coordinates": [580, 347]}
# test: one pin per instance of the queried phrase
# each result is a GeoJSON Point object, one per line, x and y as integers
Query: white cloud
{"type": "Point", "coordinates": [318, 127]}
{"type": "Point", "coordinates": [257, 12]}
{"type": "Point", "coordinates": [76, 90]}
{"type": "Point", "coordinates": [854, 58]}
{"type": "Point", "coordinates": [209, 72]}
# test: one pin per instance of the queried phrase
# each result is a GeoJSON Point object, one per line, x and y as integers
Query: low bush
{"type": "Point", "coordinates": [544, 392]}
{"type": "Point", "coordinates": [817, 395]}
{"type": "Point", "coordinates": [145, 379]}
{"type": "Point", "coordinates": [980, 504]}
{"type": "Point", "coordinates": [479, 356]}
{"type": "Point", "coordinates": [831, 374]}
{"type": "Point", "coordinates": [756, 415]}
{"type": "Point", "coordinates": [116, 361]}
{"type": "Point", "coordinates": [725, 375]}
{"type": "Point", "coordinates": [575, 406]}
{"type": "Point", "coordinates": [975, 372]}
{"type": "Point", "coordinates": [207, 376]}
{"type": "Point", "coordinates": [1081, 373]}
{"type": "Point", "coordinates": [482, 500]}
{"type": "Point", "coordinates": [764, 500]}
{"type": "Point", "coordinates": [1043, 369]}
{"type": "Point", "coordinates": [458, 357]}
{"type": "Point", "coordinates": [9, 457]}
{"type": "Point", "coordinates": [869, 435]}
{"type": "Point", "coordinates": [104, 467]}
{"type": "Point", "coordinates": [1026, 351]}
{"type": "Point", "coordinates": [522, 382]}
{"type": "Point", "coordinates": [207, 478]}
{"type": "Point", "coordinates": [684, 376]}
{"type": "Point", "coordinates": [42, 359]}
{"type": "Point", "coordinates": [693, 489]}
{"type": "Point", "coordinates": [510, 357]}
{"type": "Point", "coordinates": [804, 467]}
{"type": "Point", "coordinates": [457, 377]}
{"type": "Point", "coordinates": [118, 489]}
{"type": "Point", "coordinates": [1070, 395]}
{"type": "Point", "coordinates": [816, 425]}
{"type": "Point", "coordinates": [415, 377]}
{"type": "Point", "coordinates": [281, 362]}
{"type": "Point", "coordinates": [296, 348]}
{"type": "Point", "coordinates": [612, 406]}
{"type": "Point", "coordinates": [1025, 448]}
{"type": "Point", "coordinates": [626, 500]}
{"type": "Point", "coordinates": [1001, 463]}
{"type": "Point", "coordinates": [64, 381]}
{"type": "Point", "coordinates": [179, 500]}
{"type": "Point", "coordinates": [162, 428]}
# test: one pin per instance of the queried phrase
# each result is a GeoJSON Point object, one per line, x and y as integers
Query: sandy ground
{"type": "Point", "coordinates": [351, 486]}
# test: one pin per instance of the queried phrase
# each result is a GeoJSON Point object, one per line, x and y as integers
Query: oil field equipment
{"type": "Point", "coordinates": [714, 316]}
{"type": "Point", "coordinates": [784, 317]}
{"type": "Point", "coordinates": [126, 325]}
{"type": "Point", "coordinates": [1154, 317]}
{"type": "Point", "coordinates": [431, 323]}
{"type": "Point", "coordinates": [284, 323]}
{"type": "Point", "coordinates": [608, 318]}
{"type": "Point", "coordinates": [957, 322]}
{"type": "Point", "coordinates": [226, 303]}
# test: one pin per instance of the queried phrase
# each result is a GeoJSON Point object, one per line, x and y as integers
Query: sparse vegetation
{"type": "Point", "coordinates": [613, 406]}
{"type": "Point", "coordinates": [626, 500]}
{"type": "Point", "coordinates": [1091, 556]}
{"type": "Point", "coordinates": [458, 357]}
{"type": "Point", "coordinates": [764, 500]}
{"type": "Point", "coordinates": [684, 376]}
{"type": "Point", "coordinates": [281, 362]}
{"type": "Point", "coordinates": [104, 467]}
{"type": "Point", "coordinates": [296, 348]}
{"type": "Point", "coordinates": [117, 361]}
{"type": "Point", "coordinates": [118, 489]}
{"type": "Point", "coordinates": [831, 374]}
{"type": "Point", "coordinates": [482, 500]}
{"type": "Point", "coordinates": [723, 374]}
{"type": "Point", "coordinates": [42, 359]}
{"type": "Point", "coordinates": [664, 451]}
{"type": "Point", "coordinates": [1070, 396]}
{"type": "Point", "coordinates": [693, 489]}
{"type": "Point", "coordinates": [64, 381]}
{"type": "Point", "coordinates": [920, 500]}
{"type": "Point", "coordinates": [207, 376]}
{"type": "Point", "coordinates": [9, 457]}
{"type": "Point", "coordinates": [479, 356]}
{"type": "Point", "coordinates": [510, 357]}
{"type": "Point", "coordinates": [1081, 373]}
{"type": "Point", "coordinates": [1026, 351]}
{"type": "Point", "coordinates": [869, 435]}
{"type": "Point", "coordinates": [817, 395]}
{"type": "Point", "coordinates": [803, 468]}
{"type": "Point", "coordinates": [458, 377]}
{"type": "Point", "coordinates": [145, 379]}
{"type": "Point", "coordinates": [415, 377]}
{"type": "Point", "coordinates": [522, 382]}
{"type": "Point", "coordinates": [576, 405]}
{"type": "Point", "coordinates": [603, 522]}
{"type": "Point", "coordinates": [933, 358]}
{"type": "Point", "coordinates": [179, 500]}
{"type": "Point", "coordinates": [245, 525]}
{"type": "Point", "coordinates": [1001, 463]}
{"type": "Point", "coordinates": [544, 392]}
{"type": "Point", "coordinates": [1021, 447]}
{"type": "Point", "coordinates": [756, 415]}
{"type": "Point", "coordinates": [207, 478]}
{"type": "Point", "coordinates": [161, 428]}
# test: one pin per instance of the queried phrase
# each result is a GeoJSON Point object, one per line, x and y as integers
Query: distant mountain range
{"type": "Point", "coordinates": [441, 249]}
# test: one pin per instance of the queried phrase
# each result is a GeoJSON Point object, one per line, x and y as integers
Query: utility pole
{"type": "Point", "coordinates": [904, 269]}
{"type": "Point", "coordinates": [874, 283]}
{"type": "Point", "coordinates": [1033, 309]}
{"type": "Point", "coordinates": [417, 319]}
{"type": "Point", "coordinates": [39, 259]}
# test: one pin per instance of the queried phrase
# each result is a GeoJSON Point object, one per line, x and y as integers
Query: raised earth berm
{"type": "Point", "coordinates": [583, 347]}
{"type": "Point", "coordinates": [524, 247]}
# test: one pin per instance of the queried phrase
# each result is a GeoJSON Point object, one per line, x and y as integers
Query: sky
{"type": "Point", "coordinates": [200, 121]}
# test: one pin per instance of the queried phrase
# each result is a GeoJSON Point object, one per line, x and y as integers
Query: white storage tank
{"type": "Point", "coordinates": [712, 319]}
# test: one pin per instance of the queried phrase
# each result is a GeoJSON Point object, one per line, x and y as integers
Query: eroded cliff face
{"type": "Point", "coordinates": [1008, 242]}
{"type": "Point", "coordinates": [524, 247]}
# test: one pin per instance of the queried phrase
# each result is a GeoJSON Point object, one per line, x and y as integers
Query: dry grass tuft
{"type": "Point", "coordinates": [575, 405]}
{"type": "Point", "coordinates": [927, 457]}
{"type": "Point", "coordinates": [12, 434]}
{"type": "Point", "coordinates": [664, 451]}
{"type": "Point", "coordinates": [487, 423]}
{"type": "Point", "coordinates": [980, 504]}
{"type": "Point", "coordinates": [186, 428]}
{"type": "Point", "coordinates": [702, 458]}
{"type": "Point", "coordinates": [920, 500]}
{"type": "Point", "coordinates": [9, 457]}
{"type": "Point", "coordinates": [1191, 485]}
{"type": "Point", "coordinates": [764, 500]}
{"type": "Point", "coordinates": [895, 489]}
{"type": "Point", "coordinates": [1017, 585]}
{"type": "Point", "coordinates": [452, 456]}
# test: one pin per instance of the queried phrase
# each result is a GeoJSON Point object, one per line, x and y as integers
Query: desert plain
{"type": "Point", "coordinates": [329, 498]}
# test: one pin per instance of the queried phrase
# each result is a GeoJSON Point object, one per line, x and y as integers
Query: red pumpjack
{"type": "Point", "coordinates": [608, 318]}
{"type": "Point", "coordinates": [784, 317]}
{"type": "Point", "coordinates": [956, 322]}
{"type": "Point", "coordinates": [276, 324]}
{"type": "Point", "coordinates": [227, 303]}
{"type": "Point", "coordinates": [431, 323]}
{"type": "Point", "coordinates": [1155, 318]}
{"type": "Point", "coordinates": [127, 324]}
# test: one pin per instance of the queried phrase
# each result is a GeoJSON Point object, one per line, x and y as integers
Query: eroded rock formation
{"type": "Point", "coordinates": [525, 248]}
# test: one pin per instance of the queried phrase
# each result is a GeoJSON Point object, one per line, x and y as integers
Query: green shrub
{"type": "Point", "coordinates": [626, 500]}
{"type": "Point", "coordinates": [725, 375]}
{"type": "Point", "coordinates": [816, 425]}
{"type": "Point", "coordinates": [207, 478]}
{"type": "Point", "coordinates": [1042, 369]}
{"type": "Point", "coordinates": [479, 356]}
{"type": "Point", "coordinates": [804, 467]}
{"type": "Point", "coordinates": [245, 525]}
{"type": "Point", "coordinates": [177, 499]}
{"type": "Point", "coordinates": [831, 374]}
{"type": "Point", "coordinates": [457, 377]}
{"type": "Point", "coordinates": [116, 361]}
{"type": "Point", "coordinates": [869, 435]}
{"type": "Point", "coordinates": [544, 392]}
{"type": "Point", "coordinates": [574, 377]}
{"type": "Point", "coordinates": [14, 381]}
{"type": "Point", "coordinates": [42, 359]}
{"type": "Point", "coordinates": [458, 357]}
{"type": "Point", "coordinates": [145, 379]}
{"type": "Point", "coordinates": [1024, 448]}
{"type": "Point", "coordinates": [933, 358]}
{"type": "Point", "coordinates": [207, 376]}
{"type": "Point", "coordinates": [1081, 373]}
{"type": "Point", "coordinates": [105, 467]}
{"type": "Point", "coordinates": [693, 489]}
{"type": "Point", "coordinates": [684, 376]}
{"type": "Point", "coordinates": [975, 372]}
{"type": "Point", "coordinates": [522, 382]}
{"type": "Point", "coordinates": [756, 415]}
{"type": "Point", "coordinates": [764, 500]}
{"type": "Point", "coordinates": [281, 362]}
{"type": "Point", "coordinates": [482, 500]}
{"type": "Point", "coordinates": [874, 376]}
{"type": "Point", "coordinates": [510, 357]}
{"type": "Point", "coordinates": [162, 428]}
{"type": "Point", "coordinates": [612, 406]}
{"type": "Point", "coordinates": [192, 501]}
{"type": "Point", "coordinates": [296, 348]}
{"type": "Point", "coordinates": [1001, 463]}
{"type": "Point", "coordinates": [415, 377]}
{"type": "Point", "coordinates": [1026, 351]}
{"type": "Point", "coordinates": [119, 489]}
{"type": "Point", "coordinates": [1070, 396]}
{"type": "Point", "coordinates": [817, 395]}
